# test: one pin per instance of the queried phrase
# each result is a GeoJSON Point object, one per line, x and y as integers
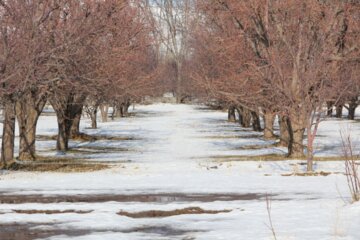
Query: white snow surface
{"type": "Point", "coordinates": [172, 151]}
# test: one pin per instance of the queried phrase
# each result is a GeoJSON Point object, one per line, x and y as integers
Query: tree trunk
{"type": "Point", "coordinates": [269, 118]}
{"type": "Point", "coordinates": [352, 108]}
{"type": "Point", "coordinates": [28, 110]}
{"type": "Point", "coordinates": [113, 112]}
{"type": "Point", "coordinates": [231, 114]}
{"type": "Point", "coordinates": [104, 110]}
{"type": "Point", "coordinates": [329, 108]}
{"type": "Point", "coordinates": [284, 131]}
{"type": "Point", "coordinates": [67, 107]}
{"type": "Point", "coordinates": [125, 108]}
{"type": "Point", "coordinates": [339, 109]}
{"type": "Point", "coordinates": [93, 116]}
{"type": "Point", "coordinates": [239, 110]}
{"type": "Point", "coordinates": [64, 128]}
{"type": "Point", "coordinates": [75, 126]}
{"type": "Point", "coordinates": [296, 130]}
{"type": "Point", "coordinates": [8, 136]}
{"type": "Point", "coordinates": [255, 122]}
{"type": "Point", "coordinates": [245, 117]}
{"type": "Point", "coordinates": [118, 112]}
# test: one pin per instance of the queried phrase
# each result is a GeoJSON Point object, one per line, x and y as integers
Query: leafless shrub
{"type": "Point", "coordinates": [351, 165]}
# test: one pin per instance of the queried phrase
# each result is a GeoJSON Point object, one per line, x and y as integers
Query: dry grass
{"type": "Point", "coordinates": [309, 174]}
{"type": "Point", "coordinates": [161, 214]}
{"type": "Point", "coordinates": [51, 211]}
{"type": "Point", "coordinates": [268, 157]}
{"type": "Point", "coordinates": [52, 165]}
{"type": "Point", "coordinates": [83, 137]}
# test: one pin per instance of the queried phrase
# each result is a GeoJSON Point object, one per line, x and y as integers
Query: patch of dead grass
{"type": "Point", "coordinates": [83, 137]}
{"type": "Point", "coordinates": [162, 214]}
{"type": "Point", "coordinates": [309, 174]}
{"type": "Point", "coordinates": [65, 165]}
{"type": "Point", "coordinates": [52, 211]}
{"type": "Point", "coordinates": [269, 157]}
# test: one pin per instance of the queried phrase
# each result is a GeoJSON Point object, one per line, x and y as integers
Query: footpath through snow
{"type": "Point", "coordinates": [180, 156]}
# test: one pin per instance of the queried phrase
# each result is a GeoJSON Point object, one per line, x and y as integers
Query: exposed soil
{"type": "Point", "coordinates": [158, 198]}
{"type": "Point", "coordinates": [161, 214]}
{"type": "Point", "coordinates": [51, 211]}
{"type": "Point", "coordinates": [33, 231]}
{"type": "Point", "coordinates": [268, 157]}
{"type": "Point", "coordinates": [310, 174]}
{"type": "Point", "coordinates": [56, 166]}
{"type": "Point", "coordinates": [87, 138]}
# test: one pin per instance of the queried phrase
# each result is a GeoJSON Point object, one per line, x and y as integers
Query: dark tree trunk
{"type": "Point", "coordinates": [284, 130]}
{"type": "Point", "coordinates": [8, 136]}
{"type": "Point", "coordinates": [269, 118]}
{"type": "Point", "coordinates": [329, 108]}
{"type": "Point", "coordinates": [125, 109]}
{"type": "Point", "coordinates": [93, 116]}
{"type": "Point", "coordinates": [352, 108]}
{"type": "Point", "coordinates": [75, 126]}
{"type": "Point", "coordinates": [245, 117]}
{"type": "Point", "coordinates": [28, 110]}
{"type": "Point", "coordinates": [255, 122]}
{"type": "Point", "coordinates": [231, 114]}
{"type": "Point", "coordinates": [113, 112]}
{"type": "Point", "coordinates": [296, 131]}
{"type": "Point", "coordinates": [239, 110]}
{"type": "Point", "coordinates": [67, 107]}
{"type": "Point", "coordinates": [339, 109]}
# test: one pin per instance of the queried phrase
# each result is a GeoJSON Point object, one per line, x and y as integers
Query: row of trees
{"type": "Point", "coordinates": [285, 58]}
{"type": "Point", "coordinates": [70, 54]}
{"type": "Point", "coordinates": [260, 58]}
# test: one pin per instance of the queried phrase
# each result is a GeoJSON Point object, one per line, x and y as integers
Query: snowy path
{"type": "Point", "coordinates": [170, 164]}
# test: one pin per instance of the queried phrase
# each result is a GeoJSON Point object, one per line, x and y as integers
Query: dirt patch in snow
{"type": "Point", "coordinates": [162, 214]}
{"type": "Point", "coordinates": [310, 174]}
{"type": "Point", "coordinates": [55, 165]}
{"type": "Point", "coordinates": [31, 231]}
{"type": "Point", "coordinates": [51, 211]}
{"type": "Point", "coordinates": [153, 198]}
{"type": "Point", "coordinates": [88, 138]}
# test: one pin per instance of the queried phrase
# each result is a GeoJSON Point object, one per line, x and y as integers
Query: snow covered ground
{"type": "Point", "coordinates": [182, 156]}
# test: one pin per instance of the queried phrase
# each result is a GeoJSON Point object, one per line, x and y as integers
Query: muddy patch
{"type": "Point", "coordinates": [162, 214]}
{"type": "Point", "coordinates": [309, 174]}
{"type": "Point", "coordinates": [151, 198]}
{"type": "Point", "coordinates": [56, 166]}
{"type": "Point", "coordinates": [83, 137]}
{"type": "Point", "coordinates": [31, 231]}
{"type": "Point", "coordinates": [51, 211]}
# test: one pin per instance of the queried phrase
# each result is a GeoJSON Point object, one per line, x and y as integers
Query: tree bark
{"type": "Point", "coordinates": [284, 131]}
{"type": "Point", "coordinates": [339, 109]}
{"type": "Point", "coordinates": [296, 129]}
{"type": "Point", "coordinates": [352, 108]}
{"type": "Point", "coordinates": [239, 110]}
{"type": "Point", "coordinates": [269, 118]}
{"type": "Point", "coordinates": [75, 126]}
{"type": "Point", "coordinates": [329, 108]}
{"type": "Point", "coordinates": [231, 114]}
{"type": "Point", "coordinates": [245, 117]}
{"type": "Point", "coordinates": [125, 108]}
{"type": "Point", "coordinates": [67, 107]}
{"type": "Point", "coordinates": [104, 110]}
{"type": "Point", "coordinates": [28, 110]}
{"type": "Point", "coordinates": [8, 136]}
{"type": "Point", "coordinates": [93, 116]}
{"type": "Point", "coordinates": [255, 122]}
